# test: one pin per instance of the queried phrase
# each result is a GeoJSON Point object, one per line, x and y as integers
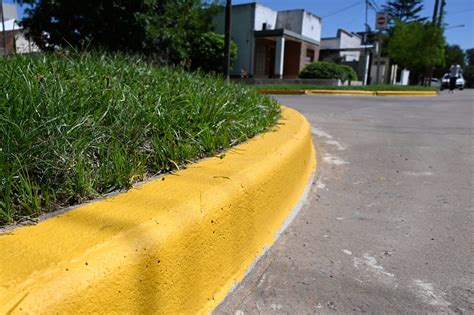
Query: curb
{"type": "Point", "coordinates": [177, 244]}
{"type": "Point", "coordinates": [351, 92]}
{"type": "Point", "coordinates": [341, 92]}
{"type": "Point", "coordinates": [406, 93]}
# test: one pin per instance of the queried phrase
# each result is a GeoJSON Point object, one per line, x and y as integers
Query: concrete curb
{"type": "Point", "coordinates": [173, 245]}
{"type": "Point", "coordinates": [406, 93]}
{"type": "Point", "coordinates": [351, 92]}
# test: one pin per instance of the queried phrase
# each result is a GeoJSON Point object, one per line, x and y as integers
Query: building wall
{"type": "Point", "coordinates": [264, 15]}
{"type": "Point", "coordinates": [330, 43]}
{"type": "Point", "coordinates": [242, 35]}
{"type": "Point", "coordinates": [9, 11]}
{"type": "Point", "coordinates": [291, 20]}
{"type": "Point", "coordinates": [304, 48]}
{"type": "Point", "coordinates": [311, 26]}
{"type": "Point", "coordinates": [291, 66]}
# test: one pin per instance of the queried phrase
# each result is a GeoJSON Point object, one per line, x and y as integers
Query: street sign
{"type": "Point", "coordinates": [381, 20]}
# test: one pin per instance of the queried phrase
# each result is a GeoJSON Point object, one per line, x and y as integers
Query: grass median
{"type": "Point", "coordinates": [75, 127]}
{"type": "Point", "coordinates": [338, 88]}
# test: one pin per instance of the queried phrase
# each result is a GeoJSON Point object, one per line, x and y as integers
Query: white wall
{"type": "Point", "coordinates": [24, 46]}
{"type": "Point", "coordinates": [9, 11]}
{"type": "Point", "coordinates": [264, 15]}
{"type": "Point", "coordinates": [349, 41]}
{"type": "Point", "coordinates": [291, 20]}
{"type": "Point", "coordinates": [330, 43]}
{"type": "Point", "coordinates": [242, 35]}
{"type": "Point", "coordinates": [311, 26]}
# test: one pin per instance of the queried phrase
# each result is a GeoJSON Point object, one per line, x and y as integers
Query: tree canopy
{"type": "Point", "coordinates": [404, 10]}
{"type": "Point", "coordinates": [165, 28]}
{"type": "Point", "coordinates": [417, 46]}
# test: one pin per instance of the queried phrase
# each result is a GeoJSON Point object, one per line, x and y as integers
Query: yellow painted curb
{"type": "Point", "coordinates": [407, 93]}
{"type": "Point", "coordinates": [285, 92]}
{"type": "Point", "coordinates": [341, 92]}
{"type": "Point", "coordinates": [171, 246]}
{"type": "Point", "coordinates": [352, 92]}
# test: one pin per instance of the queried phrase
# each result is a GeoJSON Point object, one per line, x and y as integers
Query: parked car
{"type": "Point", "coordinates": [434, 82]}
{"type": "Point", "coordinates": [459, 82]}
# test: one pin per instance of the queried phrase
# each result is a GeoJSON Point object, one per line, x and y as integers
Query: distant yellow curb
{"type": "Point", "coordinates": [407, 93]}
{"type": "Point", "coordinates": [174, 245]}
{"type": "Point", "coordinates": [341, 92]}
{"type": "Point", "coordinates": [351, 92]}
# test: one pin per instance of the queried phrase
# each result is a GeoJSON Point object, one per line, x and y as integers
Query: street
{"type": "Point", "coordinates": [388, 224]}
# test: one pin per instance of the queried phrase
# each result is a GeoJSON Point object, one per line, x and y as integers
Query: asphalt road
{"type": "Point", "coordinates": [388, 226]}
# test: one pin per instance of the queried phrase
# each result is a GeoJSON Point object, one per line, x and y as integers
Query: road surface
{"type": "Point", "coordinates": [388, 226]}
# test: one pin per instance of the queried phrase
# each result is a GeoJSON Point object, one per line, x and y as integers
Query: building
{"type": "Point", "coordinates": [348, 48]}
{"type": "Point", "coordinates": [272, 44]}
{"type": "Point", "coordinates": [15, 39]}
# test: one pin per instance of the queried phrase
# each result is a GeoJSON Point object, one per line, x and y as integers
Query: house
{"type": "Point", "coordinates": [272, 44]}
{"type": "Point", "coordinates": [349, 48]}
{"type": "Point", "coordinates": [358, 50]}
{"type": "Point", "coordinates": [15, 39]}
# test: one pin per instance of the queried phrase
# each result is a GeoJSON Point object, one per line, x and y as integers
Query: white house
{"type": "Point", "coordinates": [272, 44]}
{"type": "Point", "coordinates": [15, 39]}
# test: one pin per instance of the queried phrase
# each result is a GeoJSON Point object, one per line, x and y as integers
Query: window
{"type": "Point", "coordinates": [309, 55]}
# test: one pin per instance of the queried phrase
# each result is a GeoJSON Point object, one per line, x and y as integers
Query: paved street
{"type": "Point", "coordinates": [388, 226]}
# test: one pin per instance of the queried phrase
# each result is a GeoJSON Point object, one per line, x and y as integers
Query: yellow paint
{"type": "Point", "coordinates": [352, 92]}
{"type": "Point", "coordinates": [340, 92]}
{"type": "Point", "coordinates": [170, 246]}
{"type": "Point", "coordinates": [407, 93]}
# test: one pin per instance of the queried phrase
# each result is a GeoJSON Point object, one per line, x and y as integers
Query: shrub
{"type": "Point", "coordinates": [321, 70]}
{"type": "Point", "coordinates": [208, 54]}
{"type": "Point", "coordinates": [75, 127]}
{"type": "Point", "coordinates": [348, 73]}
{"type": "Point", "coordinates": [328, 70]}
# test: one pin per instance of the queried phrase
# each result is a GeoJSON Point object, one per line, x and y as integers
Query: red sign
{"type": "Point", "coordinates": [381, 20]}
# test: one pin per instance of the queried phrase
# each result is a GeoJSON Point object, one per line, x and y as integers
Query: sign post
{"type": "Point", "coordinates": [381, 20]}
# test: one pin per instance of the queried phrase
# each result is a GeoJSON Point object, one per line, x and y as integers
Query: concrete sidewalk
{"type": "Point", "coordinates": [388, 226]}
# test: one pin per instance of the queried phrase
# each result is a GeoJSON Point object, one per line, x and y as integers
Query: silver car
{"type": "Point", "coordinates": [459, 82]}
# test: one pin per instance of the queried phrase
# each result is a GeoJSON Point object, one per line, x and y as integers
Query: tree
{"type": "Point", "coordinates": [469, 69]}
{"type": "Point", "coordinates": [164, 28]}
{"type": "Point", "coordinates": [210, 55]}
{"type": "Point", "coordinates": [416, 46]}
{"type": "Point", "coordinates": [470, 56]}
{"type": "Point", "coordinates": [453, 54]}
{"type": "Point", "coordinates": [404, 10]}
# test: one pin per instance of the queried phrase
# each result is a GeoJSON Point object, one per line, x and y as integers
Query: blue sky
{"type": "Point", "coordinates": [459, 12]}
{"type": "Point", "coordinates": [353, 19]}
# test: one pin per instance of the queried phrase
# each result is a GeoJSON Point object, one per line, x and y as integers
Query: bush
{"type": "Point", "coordinates": [348, 73]}
{"type": "Point", "coordinates": [73, 128]}
{"type": "Point", "coordinates": [208, 54]}
{"type": "Point", "coordinates": [328, 70]}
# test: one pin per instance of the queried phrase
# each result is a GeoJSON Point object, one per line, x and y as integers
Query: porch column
{"type": "Point", "coordinates": [279, 57]}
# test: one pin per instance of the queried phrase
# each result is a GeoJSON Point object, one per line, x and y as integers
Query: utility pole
{"type": "Point", "coordinates": [441, 13]}
{"type": "Point", "coordinates": [228, 20]}
{"type": "Point", "coordinates": [434, 22]}
{"type": "Point", "coordinates": [4, 32]}
{"type": "Point", "coordinates": [435, 12]}
{"type": "Point", "coordinates": [379, 53]}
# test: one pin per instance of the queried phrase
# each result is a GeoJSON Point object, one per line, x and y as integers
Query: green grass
{"type": "Point", "coordinates": [74, 128]}
{"type": "Point", "coordinates": [332, 87]}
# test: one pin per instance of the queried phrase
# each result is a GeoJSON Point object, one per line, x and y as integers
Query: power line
{"type": "Point", "coordinates": [343, 9]}
{"type": "Point", "coordinates": [376, 5]}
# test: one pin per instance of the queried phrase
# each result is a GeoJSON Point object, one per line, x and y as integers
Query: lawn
{"type": "Point", "coordinates": [74, 128]}
{"type": "Point", "coordinates": [332, 87]}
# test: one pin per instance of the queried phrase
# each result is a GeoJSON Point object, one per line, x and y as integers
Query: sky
{"type": "Point", "coordinates": [458, 12]}
{"type": "Point", "coordinates": [350, 15]}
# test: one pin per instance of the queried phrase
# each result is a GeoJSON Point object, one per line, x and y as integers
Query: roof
{"type": "Point", "coordinates": [10, 25]}
{"type": "Point", "coordinates": [284, 32]}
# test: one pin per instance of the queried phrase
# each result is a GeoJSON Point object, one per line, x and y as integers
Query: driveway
{"type": "Point", "coordinates": [388, 225]}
